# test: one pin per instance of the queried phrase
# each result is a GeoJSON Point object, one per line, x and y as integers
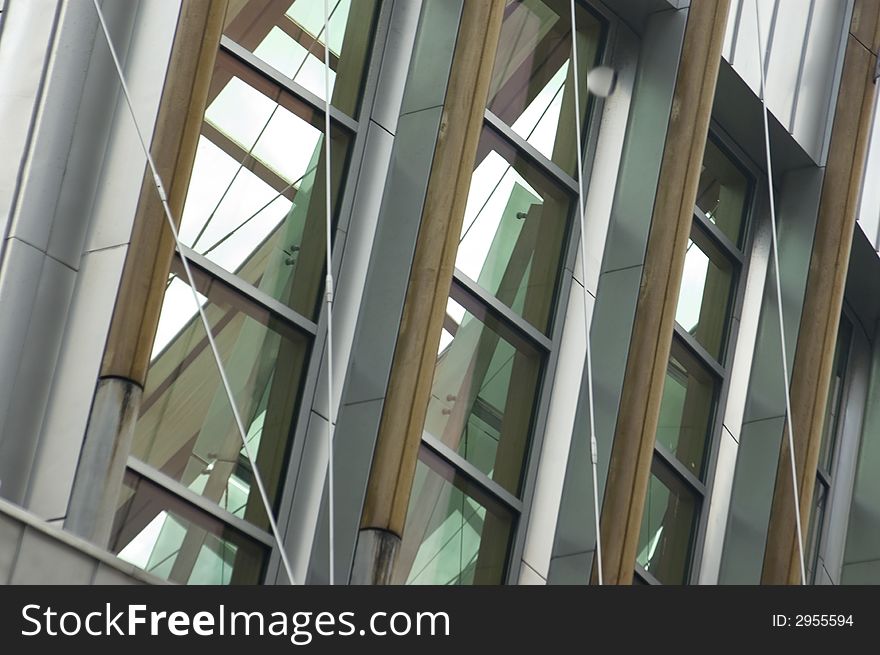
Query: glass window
{"type": "Point", "coordinates": [256, 203]}
{"type": "Point", "coordinates": [667, 527]}
{"type": "Point", "coordinates": [686, 409]}
{"type": "Point", "coordinates": [723, 192]}
{"type": "Point", "coordinates": [186, 428]}
{"type": "Point", "coordinates": [169, 538]}
{"type": "Point", "coordinates": [532, 87]}
{"type": "Point", "coordinates": [834, 404]}
{"type": "Point", "coordinates": [455, 533]}
{"type": "Point", "coordinates": [704, 297]}
{"type": "Point", "coordinates": [515, 224]}
{"type": "Point", "coordinates": [483, 393]}
{"type": "Point", "coordinates": [289, 36]}
{"type": "Point", "coordinates": [817, 520]}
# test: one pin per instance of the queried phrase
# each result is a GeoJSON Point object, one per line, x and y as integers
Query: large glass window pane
{"type": "Point", "coordinates": [532, 87]}
{"type": "Point", "coordinates": [256, 201]}
{"type": "Point", "coordinates": [667, 527]}
{"type": "Point", "coordinates": [834, 403]}
{"type": "Point", "coordinates": [169, 538]}
{"type": "Point", "coordinates": [289, 36]}
{"type": "Point", "coordinates": [186, 427]}
{"type": "Point", "coordinates": [686, 409]}
{"type": "Point", "coordinates": [483, 393]}
{"type": "Point", "coordinates": [515, 224]}
{"type": "Point", "coordinates": [455, 533]}
{"type": "Point", "coordinates": [704, 297]}
{"type": "Point", "coordinates": [723, 192]}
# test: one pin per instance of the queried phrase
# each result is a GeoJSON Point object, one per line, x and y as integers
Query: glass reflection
{"type": "Point", "coordinates": [289, 36]}
{"type": "Point", "coordinates": [686, 409]}
{"type": "Point", "coordinates": [256, 203]}
{"type": "Point", "coordinates": [483, 393]}
{"type": "Point", "coordinates": [170, 539]}
{"type": "Point", "coordinates": [667, 527]}
{"type": "Point", "coordinates": [515, 224]}
{"type": "Point", "coordinates": [532, 87]}
{"type": "Point", "coordinates": [704, 297]}
{"type": "Point", "coordinates": [834, 403]}
{"type": "Point", "coordinates": [186, 428]}
{"type": "Point", "coordinates": [723, 192]}
{"type": "Point", "coordinates": [455, 533]}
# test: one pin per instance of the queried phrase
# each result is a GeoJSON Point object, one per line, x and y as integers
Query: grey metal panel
{"type": "Point", "coordinates": [43, 560]}
{"type": "Point", "coordinates": [24, 53]}
{"type": "Point", "coordinates": [395, 64]}
{"type": "Point", "coordinates": [573, 569]}
{"type": "Point", "coordinates": [438, 31]}
{"type": "Point", "coordinates": [34, 296]}
{"type": "Point", "coordinates": [869, 208]}
{"type": "Point", "coordinates": [785, 57]}
{"type": "Point", "coordinates": [11, 532]}
{"type": "Point", "coordinates": [833, 536]}
{"type": "Point", "coordinates": [823, 60]}
{"type": "Point", "coordinates": [73, 380]}
{"type": "Point", "coordinates": [106, 575]}
{"type": "Point", "coordinates": [752, 495]}
{"type": "Point", "coordinates": [861, 563]}
{"type": "Point", "coordinates": [646, 136]}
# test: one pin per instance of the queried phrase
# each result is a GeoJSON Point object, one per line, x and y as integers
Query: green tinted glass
{"type": "Point", "coordinates": [704, 296]}
{"type": "Point", "coordinates": [515, 224]}
{"type": "Point", "coordinates": [723, 192]}
{"type": "Point", "coordinates": [289, 36]}
{"type": "Point", "coordinates": [483, 393]}
{"type": "Point", "coordinates": [686, 409]}
{"type": "Point", "coordinates": [186, 428]}
{"type": "Point", "coordinates": [667, 529]}
{"type": "Point", "coordinates": [532, 87]}
{"type": "Point", "coordinates": [455, 533]}
{"type": "Point", "coordinates": [170, 539]}
{"type": "Point", "coordinates": [256, 203]}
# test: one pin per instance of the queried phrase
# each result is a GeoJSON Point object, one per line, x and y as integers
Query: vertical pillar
{"type": "Point", "coordinates": [412, 369]}
{"type": "Point", "coordinates": [632, 450]}
{"type": "Point", "coordinates": [117, 397]}
{"type": "Point", "coordinates": [814, 354]}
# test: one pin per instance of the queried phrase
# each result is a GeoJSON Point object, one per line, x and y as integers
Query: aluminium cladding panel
{"type": "Point", "coordinates": [568, 377]}
{"type": "Point", "coordinates": [804, 42]}
{"type": "Point", "coordinates": [399, 125]}
{"type": "Point", "coordinates": [76, 202]}
{"type": "Point", "coordinates": [618, 289]}
{"type": "Point", "coordinates": [763, 420]}
{"type": "Point", "coordinates": [869, 209]}
{"type": "Point", "coordinates": [861, 561]}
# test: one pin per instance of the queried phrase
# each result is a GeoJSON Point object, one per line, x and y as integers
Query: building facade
{"type": "Point", "coordinates": [457, 148]}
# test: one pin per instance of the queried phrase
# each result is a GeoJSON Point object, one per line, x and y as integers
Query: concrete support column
{"type": "Point", "coordinates": [412, 368]}
{"type": "Point", "coordinates": [632, 451]}
{"type": "Point", "coordinates": [814, 355]}
{"type": "Point", "coordinates": [116, 403]}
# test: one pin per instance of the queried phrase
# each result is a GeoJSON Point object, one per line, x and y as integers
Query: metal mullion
{"type": "Point", "coordinates": [248, 58]}
{"type": "Point", "coordinates": [250, 292]}
{"type": "Point", "coordinates": [199, 502]}
{"type": "Point", "coordinates": [501, 311]}
{"type": "Point", "coordinates": [679, 470]}
{"type": "Point", "coordinates": [700, 352]}
{"type": "Point", "coordinates": [717, 237]}
{"type": "Point", "coordinates": [547, 166]}
{"type": "Point", "coordinates": [645, 575]}
{"type": "Point", "coordinates": [472, 473]}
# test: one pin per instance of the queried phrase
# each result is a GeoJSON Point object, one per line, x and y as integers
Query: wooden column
{"type": "Point", "coordinates": [826, 280]}
{"type": "Point", "coordinates": [633, 449]}
{"type": "Point", "coordinates": [412, 369]}
{"type": "Point", "coordinates": [117, 400]}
